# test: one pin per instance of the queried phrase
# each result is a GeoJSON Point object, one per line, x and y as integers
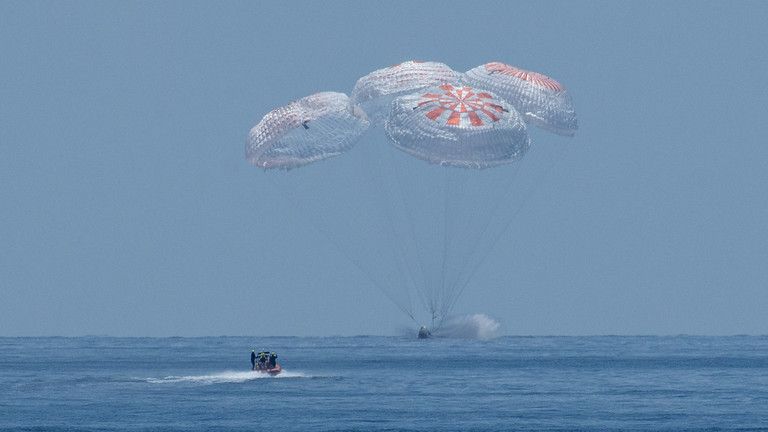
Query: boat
{"type": "Point", "coordinates": [273, 370]}
{"type": "Point", "coordinates": [264, 365]}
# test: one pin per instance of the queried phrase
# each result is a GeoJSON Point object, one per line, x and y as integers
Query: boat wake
{"type": "Point", "coordinates": [224, 377]}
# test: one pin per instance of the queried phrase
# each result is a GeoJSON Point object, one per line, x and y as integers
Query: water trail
{"type": "Point", "coordinates": [477, 326]}
{"type": "Point", "coordinates": [224, 377]}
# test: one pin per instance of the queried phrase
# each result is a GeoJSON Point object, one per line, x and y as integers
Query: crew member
{"type": "Point", "coordinates": [272, 360]}
{"type": "Point", "coordinates": [253, 360]}
{"type": "Point", "coordinates": [262, 360]}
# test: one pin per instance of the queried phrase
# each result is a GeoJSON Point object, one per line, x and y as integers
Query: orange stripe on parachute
{"type": "Point", "coordinates": [475, 119]}
{"type": "Point", "coordinates": [533, 77]}
{"type": "Point", "coordinates": [435, 113]}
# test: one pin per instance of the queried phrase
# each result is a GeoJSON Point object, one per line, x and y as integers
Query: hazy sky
{"type": "Point", "coordinates": [127, 208]}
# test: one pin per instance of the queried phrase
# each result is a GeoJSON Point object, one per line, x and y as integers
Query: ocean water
{"type": "Point", "coordinates": [606, 383]}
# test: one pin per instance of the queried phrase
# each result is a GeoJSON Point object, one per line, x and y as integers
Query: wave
{"type": "Point", "coordinates": [224, 377]}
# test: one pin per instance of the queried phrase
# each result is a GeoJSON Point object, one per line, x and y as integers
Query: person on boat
{"type": "Point", "coordinates": [253, 360]}
{"type": "Point", "coordinates": [272, 360]}
{"type": "Point", "coordinates": [262, 360]}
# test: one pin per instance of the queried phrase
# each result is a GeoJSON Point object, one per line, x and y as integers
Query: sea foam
{"type": "Point", "coordinates": [224, 377]}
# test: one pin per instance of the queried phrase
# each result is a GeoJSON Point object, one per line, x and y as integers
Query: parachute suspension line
{"type": "Point", "coordinates": [553, 161]}
{"type": "Point", "coordinates": [484, 222]}
{"type": "Point", "coordinates": [381, 288]}
{"type": "Point", "coordinates": [454, 204]}
{"type": "Point", "coordinates": [422, 288]}
{"type": "Point", "coordinates": [452, 196]}
{"type": "Point", "coordinates": [364, 271]}
{"type": "Point", "coordinates": [322, 225]}
{"type": "Point", "coordinates": [494, 240]}
{"type": "Point", "coordinates": [443, 298]}
{"type": "Point", "coordinates": [400, 258]}
{"type": "Point", "coordinates": [441, 238]}
{"type": "Point", "coordinates": [478, 256]}
{"type": "Point", "coordinates": [318, 227]}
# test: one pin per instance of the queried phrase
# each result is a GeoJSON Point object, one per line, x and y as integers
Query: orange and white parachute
{"type": "Point", "coordinates": [312, 128]}
{"type": "Point", "coordinates": [375, 91]}
{"type": "Point", "coordinates": [458, 126]}
{"type": "Point", "coordinates": [540, 99]}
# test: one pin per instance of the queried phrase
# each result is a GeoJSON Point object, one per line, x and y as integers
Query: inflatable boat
{"type": "Point", "coordinates": [271, 371]}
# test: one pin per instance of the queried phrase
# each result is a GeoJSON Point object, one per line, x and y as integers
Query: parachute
{"type": "Point", "coordinates": [540, 99]}
{"type": "Point", "coordinates": [441, 220]}
{"type": "Point", "coordinates": [454, 125]}
{"type": "Point", "coordinates": [375, 91]}
{"type": "Point", "coordinates": [312, 128]}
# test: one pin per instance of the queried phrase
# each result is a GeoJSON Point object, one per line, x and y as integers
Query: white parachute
{"type": "Point", "coordinates": [540, 99]}
{"type": "Point", "coordinates": [312, 128]}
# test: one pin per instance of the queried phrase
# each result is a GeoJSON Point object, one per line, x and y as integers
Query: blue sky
{"type": "Point", "coordinates": [128, 208]}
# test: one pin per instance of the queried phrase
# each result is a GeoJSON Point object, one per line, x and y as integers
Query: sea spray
{"type": "Point", "coordinates": [476, 326]}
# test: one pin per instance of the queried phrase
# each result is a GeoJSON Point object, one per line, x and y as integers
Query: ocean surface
{"type": "Point", "coordinates": [606, 383]}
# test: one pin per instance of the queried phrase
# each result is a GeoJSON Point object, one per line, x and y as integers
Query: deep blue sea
{"type": "Point", "coordinates": [385, 384]}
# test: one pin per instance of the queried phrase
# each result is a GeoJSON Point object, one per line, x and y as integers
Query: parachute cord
{"type": "Point", "coordinates": [462, 283]}
{"type": "Point", "coordinates": [322, 219]}
{"type": "Point", "coordinates": [409, 216]}
{"type": "Point", "coordinates": [365, 272]}
{"type": "Point", "coordinates": [402, 266]}
{"type": "Point", "coordinates": [412, 254]}
{"type": "Point", "coordinates": [406, 239]}
{"type": "Point", "coordinates": [552, 162]}
{"type": "Point", "coordinates": [456, 195]}
{"type": "Point", "coordinates": [445, 238]}
{"type": "Point", "coordinates": [485, 221]}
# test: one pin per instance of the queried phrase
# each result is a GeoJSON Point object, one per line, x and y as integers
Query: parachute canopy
{"type": "Point", "coordinates": [312, 128]}
{"type": "Point", "coordinates": [540, 99]}
{"type": "Point", "coordinates": [375, 91]}
{"type": "Point", "coordinates": [457, 125]}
